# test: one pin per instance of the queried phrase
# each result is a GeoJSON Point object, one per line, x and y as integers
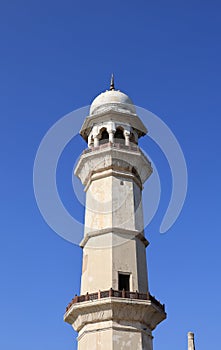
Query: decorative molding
{"type": "Point", "coordinates": [115, 230]}
{"type": "Point", "coordinates": [135, 311]}
{"type": "Point", "coordinates": [113, 171]}
{"type": "Point", "coordinates": [116, 116]}
{"type": "Point", "coordinates": [102, 158]}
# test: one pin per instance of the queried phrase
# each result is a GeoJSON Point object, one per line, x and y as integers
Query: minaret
{"type": "Point", "coordinates": [191, 345]}
{"type": "Point", "coordinates": [115, 309]}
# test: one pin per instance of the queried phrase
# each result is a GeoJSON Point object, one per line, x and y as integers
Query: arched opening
{"type": "Point", "coordinates": [119, 136]}
{"type": "Point", "coordinates": [104, 136]}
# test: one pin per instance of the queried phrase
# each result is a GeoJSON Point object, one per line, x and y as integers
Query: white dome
{"type": "Point", "coordinates": [114, 100]}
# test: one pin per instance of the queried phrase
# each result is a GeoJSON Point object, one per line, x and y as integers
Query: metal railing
{"type": "Point", "coordinates": [115, 294]}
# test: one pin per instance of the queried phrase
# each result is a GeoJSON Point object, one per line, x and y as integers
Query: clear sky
{"type": "Point", "coordinates": [56, 56]}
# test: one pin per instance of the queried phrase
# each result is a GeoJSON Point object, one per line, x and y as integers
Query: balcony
{"type": "Point", "coordinates": [115, 294]}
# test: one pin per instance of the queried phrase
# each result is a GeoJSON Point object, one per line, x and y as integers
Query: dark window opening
{"type": "Point", "coordinates": [119, 134]}
{"type": "Point", "coordinates": [104, 137]}
{"type": "Point", "coordinates": [124, 282]}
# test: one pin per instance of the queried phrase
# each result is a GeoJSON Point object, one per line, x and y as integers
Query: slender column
{"type": "Point", "coordinates": [111, 136]}
{"type": "Point", "coordinates": [90, 141]}
{"type": "Point", "coordinates": [96, 141]}
{"type": "Point", "coordinates": [127, 137]}
{"type": "Point", "coordinates": [191, 345]}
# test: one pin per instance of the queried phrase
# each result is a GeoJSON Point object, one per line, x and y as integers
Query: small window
{"type": "Point", "coordinates": [124, 281]}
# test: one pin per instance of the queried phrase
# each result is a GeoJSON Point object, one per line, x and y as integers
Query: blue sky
{"type": "Point", "coordinates": [56, 57]}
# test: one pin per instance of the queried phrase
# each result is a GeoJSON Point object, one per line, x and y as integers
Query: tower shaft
{"type": "Point", "coordinates": [114, 245]}
{"type": "Point", "coordinates": [115, 309]}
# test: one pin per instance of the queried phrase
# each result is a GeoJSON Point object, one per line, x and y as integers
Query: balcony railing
{"type": "Point", "coordinates": [131, 147]}
{"type": "Point", "coordinates": [115, 294]}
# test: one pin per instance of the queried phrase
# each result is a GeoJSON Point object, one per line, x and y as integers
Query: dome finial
{"type": "Point", "coordinates": [112, 82]}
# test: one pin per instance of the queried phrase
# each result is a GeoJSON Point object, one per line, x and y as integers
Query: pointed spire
{"type": "Point", "coordinates": [112, 82]}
